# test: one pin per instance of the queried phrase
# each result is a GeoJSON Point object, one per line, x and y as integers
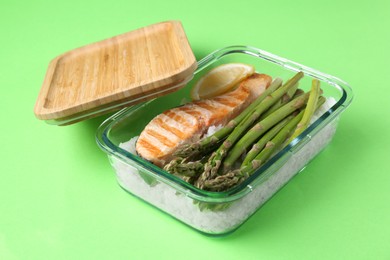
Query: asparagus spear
{"type": "Point", "coordinates": [207, 143]}
{"type": "Point", "coordinates": [315, 92]}
{"type": "Point", "coordinates": [261, 127]}
{"type": "Point", "coordinates": [214, 163]}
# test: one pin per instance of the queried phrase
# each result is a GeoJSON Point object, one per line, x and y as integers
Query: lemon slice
{"type": "Point", "coordinates": [220, 80]}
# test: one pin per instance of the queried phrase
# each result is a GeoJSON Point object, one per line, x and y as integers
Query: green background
{"type": "Point", "coordinates": [58, 194]}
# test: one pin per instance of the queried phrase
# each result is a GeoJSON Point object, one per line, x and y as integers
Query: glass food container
{"type": "Point", "coordinates": [219, 213]}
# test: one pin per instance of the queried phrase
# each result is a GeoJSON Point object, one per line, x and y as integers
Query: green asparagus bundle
{"type": "Point", "coordinates": [236, 151]}
{"type": "Point", "coordinates": [275, 143]}
{"type": "Point", "coordinates": [213, 165]}
{"type": "Point", "coordinates": [261, 127]}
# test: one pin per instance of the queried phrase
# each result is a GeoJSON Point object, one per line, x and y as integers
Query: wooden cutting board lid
{"type": "Point", "coordinates": [116, 72]}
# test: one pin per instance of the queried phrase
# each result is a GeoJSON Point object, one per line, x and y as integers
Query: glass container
{"type": "Point", "coordinates": [219, 213]}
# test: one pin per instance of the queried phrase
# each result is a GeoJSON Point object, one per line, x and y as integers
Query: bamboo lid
{"type": "Point", "coordinates": [116, 72]}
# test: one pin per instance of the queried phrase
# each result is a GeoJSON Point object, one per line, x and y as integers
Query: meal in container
{"type": "Point", "coordinates": [236, 121]}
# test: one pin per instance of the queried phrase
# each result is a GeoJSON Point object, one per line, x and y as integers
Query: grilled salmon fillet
{"type": "Point", "coordinates": [188, 123]}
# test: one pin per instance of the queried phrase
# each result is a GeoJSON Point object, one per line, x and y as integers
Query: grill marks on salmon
{"type": "Point", "coordinates": [189, 123]}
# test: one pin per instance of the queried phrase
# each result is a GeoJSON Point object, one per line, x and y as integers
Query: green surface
{"type": "Point", "coordinates": [59, 196]}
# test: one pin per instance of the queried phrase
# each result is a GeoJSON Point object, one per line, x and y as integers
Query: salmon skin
{"type": "Point", "coordinates": [190, 122]}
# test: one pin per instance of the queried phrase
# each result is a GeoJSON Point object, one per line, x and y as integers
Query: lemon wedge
{"type": "Point", "coordinates": [220, 80]}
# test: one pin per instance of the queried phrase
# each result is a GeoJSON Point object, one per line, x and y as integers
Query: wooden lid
{"type": "Point", "coordinates": [117, 72]}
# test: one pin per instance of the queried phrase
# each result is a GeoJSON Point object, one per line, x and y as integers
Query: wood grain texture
{"type": "Point", "coordinates": [124, 70]}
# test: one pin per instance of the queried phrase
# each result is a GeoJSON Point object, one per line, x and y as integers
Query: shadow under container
{"type": "Point", "coordinates": [219, 213]}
